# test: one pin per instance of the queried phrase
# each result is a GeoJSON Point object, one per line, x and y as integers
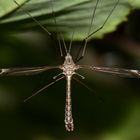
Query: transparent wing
{"type": "Point", "coordinates": [115, 71]}
{"type": "Point", "coordinates": [25, 70]}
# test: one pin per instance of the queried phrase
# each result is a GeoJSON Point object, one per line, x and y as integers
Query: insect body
{"type": "Point", "coordinates": [68, 68]}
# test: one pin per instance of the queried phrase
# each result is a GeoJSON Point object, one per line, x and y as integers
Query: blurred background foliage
{"type": "Point", "coordinates": [23, 43]}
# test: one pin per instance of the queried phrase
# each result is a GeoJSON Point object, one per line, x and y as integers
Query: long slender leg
{"type": "Point", "coordinates": [90, 89]}
{"type": "Point", "coordinates": [45, 87]}
{"type": "Point", "coordinates": [70, 43]}
{"type": "Point", "coordinates": [66, 50]}
{"type": "Point", "coordinates": [25, 70]}
{"type": "Point", "coordinates": [36, 21]}
{"type": "Point", "coordinates": [86, 39]}
{"type": "Point", "coordinates": [90, 26]}
{"type": "Point", "coordinates": [57, 34]}
{"type": "Point", "coordinates": [115, 71]}
{"type": "Point", "coordinates": [98, 29]}
{"type": "Point", "coordinates": [43, 27]}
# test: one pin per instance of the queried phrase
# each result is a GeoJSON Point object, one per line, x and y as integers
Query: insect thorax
{"type": "Point", "coordinates": [69, 67]}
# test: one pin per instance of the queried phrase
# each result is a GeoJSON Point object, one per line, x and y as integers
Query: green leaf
{"type": "Point", "coordinates": [135, 3]}
{"type": "Point", "coordinates": [71, 16]}
{"type": "Point", "coordinates": [6, 6]}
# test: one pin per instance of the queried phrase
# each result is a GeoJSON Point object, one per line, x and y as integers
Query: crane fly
{"type": "Point", "coordinates": [69, 67]}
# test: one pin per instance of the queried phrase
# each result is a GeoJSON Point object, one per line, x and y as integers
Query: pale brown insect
{"type": "Point", "coordinates": [69, 67]}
